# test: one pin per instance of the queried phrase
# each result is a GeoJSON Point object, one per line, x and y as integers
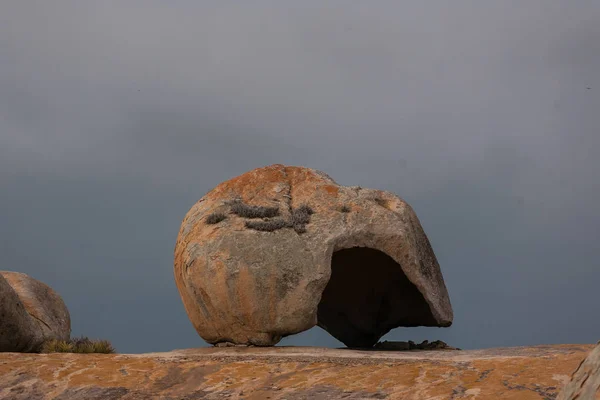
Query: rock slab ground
{"type": "Point", "coordinates": [521, 373]}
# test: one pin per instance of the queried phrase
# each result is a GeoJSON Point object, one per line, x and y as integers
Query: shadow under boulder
{"type": "Point", "coordinates": [367, 296]}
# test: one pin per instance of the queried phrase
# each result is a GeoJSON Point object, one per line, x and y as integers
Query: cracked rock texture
{"type": "Point", "coordinates": [358, 265]}
{"type": "Point", "coordinates": [585, 382]}
{"type": "Point", "coordinates": [30, 312]}
{"type": "Point", "coordinates": [525, 373]}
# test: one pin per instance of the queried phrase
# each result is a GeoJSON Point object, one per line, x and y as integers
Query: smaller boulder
{"type": "Point", "coordinates": [30, 313]}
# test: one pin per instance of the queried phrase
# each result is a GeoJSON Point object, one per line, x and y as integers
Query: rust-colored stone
{"type": "Point", "coordinates": [527, 373]}
{"type": "Point", "coordinates": [358, 266]}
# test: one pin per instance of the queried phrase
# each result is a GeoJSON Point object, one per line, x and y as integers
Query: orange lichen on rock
{"type": "Point", "coordinates": [293, 373]}
{"type": "Point", "coordinates": [272, 239]}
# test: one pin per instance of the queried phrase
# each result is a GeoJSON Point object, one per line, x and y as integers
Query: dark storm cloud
{"type": "Point", "coordinates": [116, 117]}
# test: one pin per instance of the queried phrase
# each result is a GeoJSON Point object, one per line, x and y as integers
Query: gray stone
{"type": "Point", "coordinates": [30, 313]}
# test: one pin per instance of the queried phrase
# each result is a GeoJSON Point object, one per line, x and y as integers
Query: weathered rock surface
{"type": "Point", "coordinates": [15, 324]}
{"type": "Point", "coordinates": [30, 312]}
{"type": "Point", "coordinates": [534, 373]}
{"type": "Point", "coordinates": [280, 249]}
{"type": "Point", "coordinates": [585, 382]}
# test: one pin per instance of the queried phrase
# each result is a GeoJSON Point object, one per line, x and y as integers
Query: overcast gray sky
{"type": "Point", "coordinates": [115, 117]}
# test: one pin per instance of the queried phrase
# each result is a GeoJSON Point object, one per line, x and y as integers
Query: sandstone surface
{"type": "Point", "coordinates": [293, 373]}
{"type": "Point", "coordinates": [279, 249]}
{"type": "Point", "coordinates": [30, 312]}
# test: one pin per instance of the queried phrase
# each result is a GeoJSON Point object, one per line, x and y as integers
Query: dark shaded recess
{"type": "Point", "coordinates": [368, 294]}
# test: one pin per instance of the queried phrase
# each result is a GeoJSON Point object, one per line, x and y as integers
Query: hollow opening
{"type": "Point", "coordinates": [368, 294]}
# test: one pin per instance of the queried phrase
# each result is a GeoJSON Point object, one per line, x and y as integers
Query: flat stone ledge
{"type": "Point", "coordinates": [522, 373]}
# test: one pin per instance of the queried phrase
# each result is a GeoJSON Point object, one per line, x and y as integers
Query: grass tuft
{"type": "Point", "coordinates": [301, 217]}
{"type": "Point", "coordinates": [306, 209]}
{"type": "Point", "coordinates": [245, 211]}
{"type": "Point", "coordinates": [215, 218]}
{"type": "Point", "coordinates": [298, 219]}
{"type": "Point", "coordinates": [299, 228]}
{"type": "Point", "coordinates": [267, 226]}
{"type": "Point", "coordinates": [77, 345]}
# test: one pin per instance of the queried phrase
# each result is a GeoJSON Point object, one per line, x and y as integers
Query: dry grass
{"type": "Point", "coordinates": [215, 218]}
{"type": "Point", "coordinates": [267, 226]}
{"type": "Point", "coordinates": [301, 217]}
{"type": "Point", "coordinates": [77, 345]}
{"type": "Point", "coordinates": [245, 211]}
{"type": "Point", "coordinates": [298, 220]}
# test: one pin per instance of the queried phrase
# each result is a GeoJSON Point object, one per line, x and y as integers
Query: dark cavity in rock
{"type": "Point", "coordinates": [367, 296]}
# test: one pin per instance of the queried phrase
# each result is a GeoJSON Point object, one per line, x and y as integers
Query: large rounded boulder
{"type": "Point", "coordinates": [280, 249]}
{"type": "Point", "coordinates": [30, 313]}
